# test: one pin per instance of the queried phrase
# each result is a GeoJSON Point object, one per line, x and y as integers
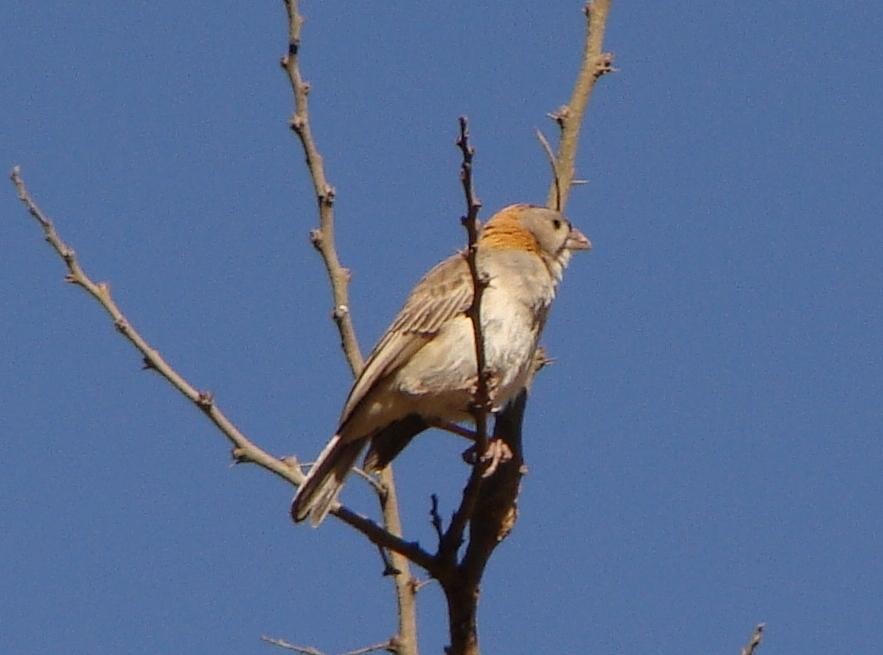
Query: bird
{"type": "Point", "coordinates": [422, 373]}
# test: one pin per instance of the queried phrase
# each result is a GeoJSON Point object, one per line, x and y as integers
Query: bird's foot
{"type": "Point", "coordinates": [497, 452]}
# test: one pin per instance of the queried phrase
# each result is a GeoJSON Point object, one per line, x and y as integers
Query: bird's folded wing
{"type": "Point", "coordinates": [443, 293]}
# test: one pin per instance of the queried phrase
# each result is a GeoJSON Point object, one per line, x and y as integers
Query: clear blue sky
{"type": "Point", "coordinates": [706, 453]}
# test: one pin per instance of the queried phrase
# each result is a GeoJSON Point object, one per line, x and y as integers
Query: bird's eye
{"type": "Point", "coordinates": [556, 223]}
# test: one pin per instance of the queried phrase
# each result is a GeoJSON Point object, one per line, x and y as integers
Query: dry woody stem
{"type": "Point", "coordinates": [595, 64]}
{"type": "Point", "coordinates": [323, 237]}
{"type": "Point", "coordinates": [323, 240]}
{"type": "Point", "coordinates": [244, 450]}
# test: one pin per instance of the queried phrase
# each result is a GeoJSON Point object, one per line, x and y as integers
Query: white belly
{"type": "Point", "coordinates": [440, 379]}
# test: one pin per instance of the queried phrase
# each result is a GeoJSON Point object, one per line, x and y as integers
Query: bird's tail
{"type": "Point", "coordinates": [326, 477]}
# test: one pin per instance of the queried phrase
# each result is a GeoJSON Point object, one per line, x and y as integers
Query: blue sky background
{"type": "Point", "coordinates": [706, 453]}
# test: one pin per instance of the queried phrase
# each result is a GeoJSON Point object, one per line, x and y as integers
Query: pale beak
{"type": "Point", "coordinates": [576, 240]}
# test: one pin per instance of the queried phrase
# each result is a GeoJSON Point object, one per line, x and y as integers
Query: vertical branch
{"type": "Point", "coordinates": [569, 118]}
{"type": "Point", "coordinates": [480, 408]}
{"type": "Point", "coordinates": [481, 400]}
{"type": "Point", "coordinates": [323, 240]}
{"type": "Point", "coordinates": [406, 586]}
{"type": "Point", "coordinates": [489, 507]}
{"type": "Point", "coordinates": [323, 237]}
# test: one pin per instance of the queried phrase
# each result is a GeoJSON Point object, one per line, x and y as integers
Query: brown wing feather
{"type": "Point", "coordinates": [444, 292]}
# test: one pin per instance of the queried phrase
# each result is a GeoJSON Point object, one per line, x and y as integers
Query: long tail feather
{"type": "Point", "coordinates": [326, 477]}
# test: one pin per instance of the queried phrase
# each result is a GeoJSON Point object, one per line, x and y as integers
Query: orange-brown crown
{"type": "Point", "coordinates": [504, 230]}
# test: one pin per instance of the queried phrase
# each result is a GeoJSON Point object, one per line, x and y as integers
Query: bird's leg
{"type": "Point", "coordinates": [453, 428]}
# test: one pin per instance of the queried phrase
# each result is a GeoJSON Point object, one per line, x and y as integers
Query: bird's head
{"type": "Point", "coordinates": [540, 230]}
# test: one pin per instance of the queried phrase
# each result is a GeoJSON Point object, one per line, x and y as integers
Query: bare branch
{"type": "Point", "coordinates": [389, 645]}
{"type": "Point", "coordinates": [244, 450]}
{"type": "Point", "coordinates": [556, 179]}
{"type": "Point", "coordinates": [323, 240]}
{"type": "Point", "coordinates": [481, 401]}
{"type": "Point", "coordinates": [406, 639]}
{"type": "Point", "coordinates": [756, 638]}
{"type": "Point", "coordinates": [569, 118]}
{"type": "Point", "coordinates": [323, 237]}
{"type": "Point", "coordinates": [436, 519]}
{"type": "Point", "coordinates": [281, 643]}
{"type": "Point", "coordinates": [453, 537]}
{"type": "Point", "coordinates": [371, 480]}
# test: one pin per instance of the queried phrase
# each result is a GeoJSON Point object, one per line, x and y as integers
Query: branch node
{"type": "Point", "coordinates": [326, 197]}
{"type": "Point", "coordinates": [316, 238]}
{"type": "Point", "coordinates": [205, 400]}
{"type": "Point", "coordinates": [291, 462]}
{"type": "Point", "coordinates": [560, 115]}
{"type": "Point", "coordinates": [604, 65]}
{"type": "Point", "coordinates": [340, 312]}
{"type": "Point", "coordinates": [296, 123]}
{"type": "Point", "coordinates": [120, 323]}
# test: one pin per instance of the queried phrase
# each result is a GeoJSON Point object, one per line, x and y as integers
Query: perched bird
{"type": "Point", "coordinates": [423, 373]}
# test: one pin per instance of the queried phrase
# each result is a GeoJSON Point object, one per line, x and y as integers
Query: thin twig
{"type": "Point", "coordinates": [388, 645]}
{"type": "Point", "coordinates": [323, 237]}
{"type": "Point", "coordinates": [323, 240]}
{"type": "Point", "coordinates": [569, 118]}
{"type": "Point", "coordinates": [556, 179]}
{"type": "Point", "coordinates": [388, 568]}
{"type": "Point", "coordinates": [244, 450]}
{"type": "Point", "coordinates": [387, 539]}
{"type": "Point", "coordinates": [755, 641]}
{"type": "Point", "coordinates": [481, 402]}
{"type": "Point", "coordinates": [406, 638]}
{"type": "Point", "coordinates": [370, 479]}
{"type": "Point", "coordinates": [435, 518]}
{"type": "Point", "coordinates": [281, 643]}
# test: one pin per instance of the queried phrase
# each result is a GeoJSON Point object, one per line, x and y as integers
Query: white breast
{"type": "Point", "coordinates": [440, 379]}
